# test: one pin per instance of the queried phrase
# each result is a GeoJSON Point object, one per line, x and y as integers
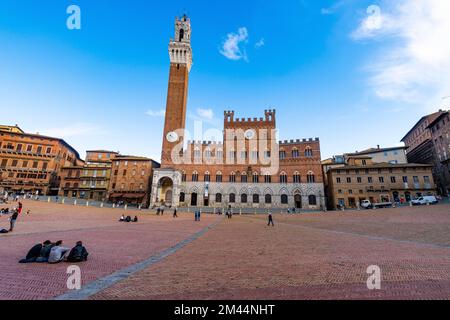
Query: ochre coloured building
{"type": "Point", "coordinates": [249, 168]}
{"type": "Point", "coordinates": [31, 163]}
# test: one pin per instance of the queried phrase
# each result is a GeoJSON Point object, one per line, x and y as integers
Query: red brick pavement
{"type": "Point", "coordinates": [312, 256]}
{"type": "Point", "coordinates": [112, 245]}
{"type": "Point", "coordinates": [306, 257]}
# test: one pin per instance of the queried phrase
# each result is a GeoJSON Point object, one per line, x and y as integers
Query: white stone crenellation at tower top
{"type": "Point", "coordinates": [180, 50]}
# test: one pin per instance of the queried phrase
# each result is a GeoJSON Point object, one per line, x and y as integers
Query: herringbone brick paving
{"type": "Point", "coordinates": [310, 256]}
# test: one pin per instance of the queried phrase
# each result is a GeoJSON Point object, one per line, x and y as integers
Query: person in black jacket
{"type": "Point", "coordinates": [12, 220]}
{"type": "Point", "coordinates": [78, 253]}
{"type": "Point", "coordinates": [270, 220]}
{"type": "Point", "coordinates": [34, 252]}
{"type": "Point", "coordinates": [45, 251]}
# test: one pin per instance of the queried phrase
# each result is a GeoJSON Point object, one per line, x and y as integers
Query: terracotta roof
{"type": "Point", "coordinates": [384, 165]}
{"type": "Point", "coordinates": [135, 158]}
{"type": "Point", "coordinates": [374, 150]}
{"type": "Point", "coordinates": [47, 137]}
{"type": "Point", "coordinates": [103, 151]}
{"type": "Point", "coordinates": [444, 114]}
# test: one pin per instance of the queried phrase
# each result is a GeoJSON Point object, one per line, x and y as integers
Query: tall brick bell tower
{"type": "Point", "coordinates": [180, 53]}
{"type": "Point", "coordinates": [166, 182]}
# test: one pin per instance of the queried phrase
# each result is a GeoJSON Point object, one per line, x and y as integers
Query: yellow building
{"type": "Point", "coordinates": [89, 180]}
{"type": "Point", "coordinates": [359, 178]}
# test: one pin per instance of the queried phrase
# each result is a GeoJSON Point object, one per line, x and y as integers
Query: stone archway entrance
{"type": "Point", "coordinates": [298, 201]}
{"type": "Point", "coordinates": [168, 197]}
{"type": "Point", "coordinates": [165, 194]}
{"type": "Point", "coordinates": [194, 199]}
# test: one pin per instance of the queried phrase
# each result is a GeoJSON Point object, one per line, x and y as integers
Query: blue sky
{"type": "Point", "coordinates": [354, 73]}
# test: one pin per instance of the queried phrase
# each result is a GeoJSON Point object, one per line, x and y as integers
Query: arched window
{"type": "Point", "coordinates": [197, 153]}
{"type": "Point", "coordinates": [207, 177]}
{"type": "Point", "coordinates": [232, 177]}
{"type": "Point", "coordinates": [308, 152]}
{"type": "Point", "coordinates": [295, 153]}
{"type": "Point", "coordinates": [208, 154]}
{"type": "Point", "coordinates": [284, 199]}
{"type": "Point", "coordinates": [282, 155]}
{"type": "Point", "coordinates": [311, 178]}
{"type": "Point", "coordinates": [219, 176]}
{"type": "Point", "coordinates": [218, 197]}
{"type": "Point", "coordinates": [232, 198]}
{"type": "Point", "coordinates": [243, 198]}
{"type": "Point", "coordinates": [256, 198]}
{"type": "Point", "coordinates": [268, 199]}
{"type": "Point", "coordinates": [255, 177]}
{"type": "Point", "coordinates": [283, 177]}
{"type": "Point", "coordinates": [312, 200]}
{"type": "Point", "coordinates": [181, 34]}
{"type": "Point", "coordinates": [244, 177]}
{"type": "Point", "coordinates": [183, 176]}
{"type": "Point", "coordinates": [296, 177]}
{"type": "Point", "coordinates": [267, 178]}
{"type": "Point", "coordinates": [182, 197]}
{"type": "Point", "coordinates": [195, 176]}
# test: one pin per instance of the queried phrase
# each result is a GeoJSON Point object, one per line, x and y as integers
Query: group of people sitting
{"type": "Point", "coordinates": [4, 211]}
{"type": "Point", "coordinates": [128, 219]}
{"type": "Point", "coordinates": [48, 252]}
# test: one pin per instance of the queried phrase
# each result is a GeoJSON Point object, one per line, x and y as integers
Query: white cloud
{"type": "Point", "coordinates": [231, 47]}
{"type": "Point", "coordinates": [326, 11]}
{"type": "Point", "coordinates": [74, 130]}
{"type": "Point", "coordinates": [207, 114]}
{"type": "Point", "coordinates": [335, 7]}
{"type": "Point", "coordinates": [261, 43]}
{"type": "Point", "coordinates": [157, 113]}
{"type": "Point", "coordinates": [374, 24]}
{"type": "Point", "coordinates": [414, 67]}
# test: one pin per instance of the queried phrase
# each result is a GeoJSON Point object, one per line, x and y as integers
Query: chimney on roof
{"type": "Point", "coordinates": [378, 147]}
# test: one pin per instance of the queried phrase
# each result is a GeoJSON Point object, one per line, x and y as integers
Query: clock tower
{"type": "Point", "coordinates": [180, 53]}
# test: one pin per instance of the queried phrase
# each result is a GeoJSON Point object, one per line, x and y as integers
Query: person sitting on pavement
{"type": "Point", "coordinates": [34, 252]}
{"type": "Point", "coordinates": [122, 218]}
{"type": "Point", "coordinates": [128, 219]}
{"type": "Point", "coordinates": [78, 253]}
{"type": "Point", "coordinates": [135, 219]}
{"type": "Point", "coordinates": [45, 252]}
{"type": "Point", "coordinates": [57, 253]}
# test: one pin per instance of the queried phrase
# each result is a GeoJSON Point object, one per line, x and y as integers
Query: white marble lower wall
{"type": "Point", "coordinates": [296, 194]}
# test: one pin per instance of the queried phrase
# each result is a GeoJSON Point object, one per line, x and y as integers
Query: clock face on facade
{"type": "Point", "coordinates": [250, 134]}
{"type": "Point", "coordinates": [172, 137]}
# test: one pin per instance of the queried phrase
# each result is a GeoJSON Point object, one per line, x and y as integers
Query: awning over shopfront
{"type": "Point", "coordinates": [133, 195]}
{"type": "Point", "coordinates": [116, 195]}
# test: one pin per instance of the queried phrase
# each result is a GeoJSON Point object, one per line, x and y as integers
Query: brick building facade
{"type": "Point", "coordinates": [440, 135]}
{"type": "Point", "coordinates": [422, 147]}
{"type": "Point", "coordinates": [359, 178]}
{"type": "Point", "coordinates": [248, 168]}
{"type": "Point", "coordinates": [131, 179]}
{"type": "Point", "coordinates": [31, 163]}
{"type": "Point", "coordinates": [90, 179]}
